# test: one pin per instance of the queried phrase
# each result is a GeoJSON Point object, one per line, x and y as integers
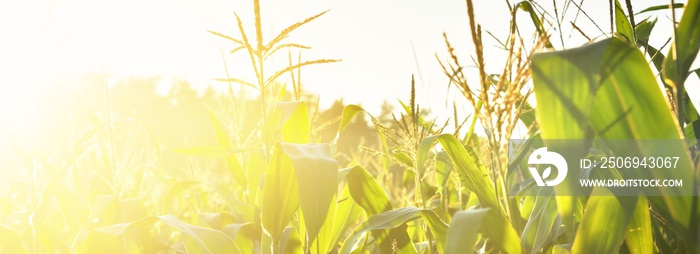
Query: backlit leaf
{"type": "Point", "coordinates": [317, 178]}
{"type": "Point", "coordinates": [463, 231]}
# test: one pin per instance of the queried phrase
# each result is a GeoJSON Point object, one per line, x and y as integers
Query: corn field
{"type": "Point", "coordinates": [276, 175]}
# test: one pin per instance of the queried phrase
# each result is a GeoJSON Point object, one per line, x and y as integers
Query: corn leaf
{"type": "Point", "coordinates": [540, 223]}
{"type": "Point", "coordinates": [347, 214]}
{"type": "Point", "coordinates": [393, 219]}
{"type": "Point", "coordinates": [291, 120]}
{"type": "Point", "coordinates": [464, 230]}
{"type": "Point", "coordinates": [607, 88]}
{"type": "Point", "coordinates": [349, 112]}
{"type": "Point", "coordinates": [280, 194]}
{"type": "Point", "coordinates": [685, 47]}
{"type": "Point", "coordinates": [639, 236]}
{"type": "Point", "coordinates": [369, 195]}
{"type": "Point", "coordinates": [477, 180]}
{"type": "Point", "coordinates": [622, 24]}
{"type": "Point", "coordinates": [317, 178]}
{"type": "Point", "coordinates": [660, 7]}
{"type": "Point", "coordinates": [594, 238]}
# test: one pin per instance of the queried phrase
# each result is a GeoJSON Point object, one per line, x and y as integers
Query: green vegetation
{"type": "Point", "coordinates": [276, 174]}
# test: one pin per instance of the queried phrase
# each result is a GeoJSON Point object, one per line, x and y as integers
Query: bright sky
{"type": "Point", "coordinates": [53, 42]}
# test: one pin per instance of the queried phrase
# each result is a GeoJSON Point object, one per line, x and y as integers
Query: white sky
{"type": "Point", "coordinates": [381, 43]}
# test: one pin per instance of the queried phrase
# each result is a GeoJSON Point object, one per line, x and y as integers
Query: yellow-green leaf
{"type": "Point", "coordinates": [622, 24]}
{"type": "Point", "coordinates": [280, 194]}
{"type": "Point", "coordinates": [639, 236]}
{"type": "Point", "coordinates": [317, 178]}
{"type": "Point", "coordinates": [477, 180]}
{"type": "Point", "coordinates": [685, 47]}
{"type": "Point", "coordinates": [593, 237]}
{"type": "Point", "coordinates": [607, 89]}
{"type": "Point", "coordinates": [464, 230]}
{"type": "Point", "coordinates": [393, 219]}
{"type": "Point", "coordinates": [369, 195]}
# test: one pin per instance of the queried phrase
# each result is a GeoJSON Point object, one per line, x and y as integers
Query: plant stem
{"type": "Point", "coordinates": [263, 104]}
{"type": "Point", "coordinates": [418, 192]}
{"type": "Point", "coordinates": [679, 82]}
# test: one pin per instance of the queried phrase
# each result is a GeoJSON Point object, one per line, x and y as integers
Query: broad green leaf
{"type": "Point", "coordinates": [280, 194]}
{"type": "Point", "coordinates": [366, 192]}
{"type": "Point", "coordinates": [622, 24]}
{"type": "Point", "coordinates": [463, 231]}
{"type": "Point", "coordinates": [543, 216]}
{"type": "Point", "coordinates": [223, 141]}
{"type": "Point", "coordinates": [568, 104]}
{"type": "Point", "coordinates": [477, 180]}
{"type": "Point", "coordinates": [369, 195]}
{"type": "Point", "coordinates": [393, 219]}
{"type": "Point", "coordinates": [438, 227]}
{"type": "Point", "coordinates": [443, 168]}
{"type": "Point", "coordinates": [10, 242]}
{"type": "Point", "coordinates": [317, 178]}
{"type": "Point", "coordinates": [561, 77]}
{"type": "Point", "coordinates": [607, 88]}
{"type": "Point", "coordinates": [349, 112]}
{"type": "Point", "coordinates": [347, 214]}
{"type": "Point", "coordinates": [616, 212]}
{"type": "Point", "coordinates": [291, 119]}
{"type": "Point", "coordinates": [568, 80]}
{"type": "Point", "coordinates": [297, 129]}
{"type": "Point", "coordinates": [684, 48]}
{"type": "Point", "coordinates": [527, 205]}
{"type": "Point", "coordinates": [639, 236]}
{"type": "Point", "coordinates": [255, 168]}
